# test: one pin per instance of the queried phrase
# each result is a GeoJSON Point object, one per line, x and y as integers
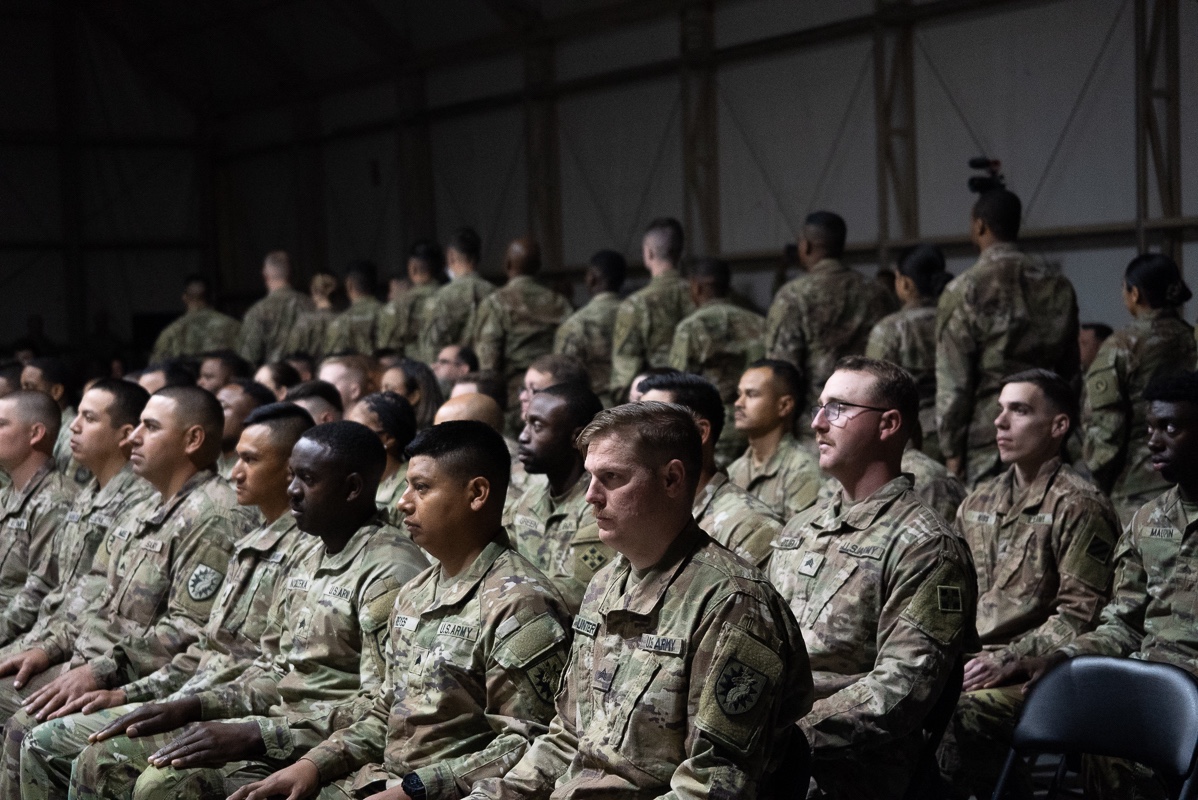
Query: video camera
{"type": "Point", "coordinates": [993, 178]}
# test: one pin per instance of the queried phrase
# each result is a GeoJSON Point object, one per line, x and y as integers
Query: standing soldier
{"type": "Point", "coordinates": [645, 321]}
{"type": "Point", "coordinates": [353, 330]}
{"type": "Point", "coordinates": [449, 312]}
{"type": "Point", "coordinates": [201, 328]}
{"type": "Point", "coordinates": [403, 318]}
{"type": "Point", "coordinates": [827, 312]}
{"type": "Point", "coordinates": [587, 333]}
{"type": "Point", "coordinates": [1007, 313]}
{"type": "Point", "coordinates": [268, 323]}
{"type": "Point", "coordinates": [311, 329]}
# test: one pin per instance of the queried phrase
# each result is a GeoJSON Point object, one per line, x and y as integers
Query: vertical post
{"type": "Point", "coordinates": [700, 128]}
{"type": "Point", "coordinates": [1158, 118]}
{"type": "Point", "coordinates": [894, 115]}
{"type": "Point", "coordinates": [417, 208]}
{"type": "Point", "coordinates": [67, 100]}
{"type": "Point", "coordinates": [308, 167]}
{"type": "Point", "coordinates": [543, 152]}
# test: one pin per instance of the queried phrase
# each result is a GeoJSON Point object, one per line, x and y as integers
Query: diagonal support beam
{"type": "Point", "coordinates": [700, 128]}
{"type": "Point", "coordinates": [894, 117]}
{"type": "Point", "coordinates": [1158, 119]}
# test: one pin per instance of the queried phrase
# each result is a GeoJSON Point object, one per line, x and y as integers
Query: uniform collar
{"type": "Point", "coordinates": [861, 515]}
{"type": "Point", "coordinates": [266, 538]}
{"type": "Point", "coordinates": [520, 280]}
{"type": "Point", "coordinates": [119, 484]}
{"type": "Point", "coordinates": [705, 498]}
{"type": "Point", "coordinates": [1032, 495]}
{"type": "Point", "coordinates": [17, 499]}
{"type": "Point", "coordinates": [646, 595]}
{"type": "Point", "coordinates": [340, 560]}
{"type": "Point", "coordinates": [464, 584]}
{"type": "Point", "coordinates": [669, 276]}
{"type": "Point", "coordinates": [827, 265]}
{"type": "Point", "coordinates": [568, 497]}
{"type": "Point", "coordinates": [166, 508]}
{"type": "Point", "coordinates": [770, 468]}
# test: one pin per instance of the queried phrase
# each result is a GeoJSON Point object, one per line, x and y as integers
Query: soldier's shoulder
{"type": "Point", "coordinates": [732, 499]}
{"type": "Point", "coordinates": [719, 572]}
{"type": "Point", "coordinates": [1072, 487]}
{"type": "Point", "coordinates": [513, 580]}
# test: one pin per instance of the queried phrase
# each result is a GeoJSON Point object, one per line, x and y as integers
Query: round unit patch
{"type": "Point", "coordinates": [203, 583]}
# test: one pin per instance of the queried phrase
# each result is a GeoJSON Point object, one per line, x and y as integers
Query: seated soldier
{"type": "Point", "coordinates": [776, 469]}
{"type": "Point", "coordinates": [940, 489]}
{"type": "Point", "coordinates": [319, 398]}
{"type": "Point", "coordinates": [728, 513]}
{"type": "Point", "coordinates": [331, 624]}
{"type": "Point", "coordinates": [236, 633]}
{"type": "Point", "coordinates": [1041, 538]}
{"type": "Point", "coordinates": [883, 589]}
{"type": "Point", "coordinates": [237, 399]}
{"type": "Point", "coordinates": [477, 644]}
{"type": "Point", "coordinates": [392, 419]}
{"type": "Point", "coordinates": [545, 371]}
{"type": "Point", "coordinates": [686, 670]}
{"type": "Point", "coordinates": [547, 518]}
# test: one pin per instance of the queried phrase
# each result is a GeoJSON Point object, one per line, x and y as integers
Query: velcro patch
{"type": "Point", "coordinates": [461, 631]}
{"type": "Point", "coordinates": [739, 688]}
{"type": "Point", "coordinates": [1163, 533]}
{"type": "Point", "coordinates": [1091, 560]}
{"type": "Point", "coordinates": [663, 644]}
{"type": "Point", "coordinates": [340, 592]}
{"type": "Point", "coordinates": [949, 599]}
{"type": "Point", "coordinates": [980, 517]}
{"type": "Point", "coordinates": [744, 672]}
{"type": "Point", "coordinates": [586, 626]}
{"type": "Point", "coordinates": [74, 516]}
{"type": "Point", "coordinates": [938, 606]}
{"type": "Point", "coordinates": [298, 584]}
{"type": "Point", "coordinates": [810, 564]}
{"type": "Point", "coordinates": [406, 623]}
{"type": "Point", "coordinates": [203, 583]}
{"type": "Point", "coordinates": [531, 642]}
{"type": "Point", "coordinates": [507, 626]}
{"type": "Point", "coordinates": [1099, 550]}
{"type": "Point", "coordinates": [863, 551]}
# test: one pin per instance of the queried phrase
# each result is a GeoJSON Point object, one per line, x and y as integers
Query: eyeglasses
{"type": "Point", "coordinates": [832, 410]}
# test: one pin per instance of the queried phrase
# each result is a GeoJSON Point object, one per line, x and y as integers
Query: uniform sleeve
{"type": "Point", "coordinates": [488, 337]}
{"type": "Point", "coordinates": [42, 576]}
{"type": "Point", "coordinates": [883, 344]}
{"type": "Point", "coordinates": [251, 339]}
{"type": "Point", "coordinates": [956, 373]}
{"type": "Point", "coordinates": [785, 339]}
{"type": "Point", "coordinates": [353, 747]}
{"type": "Point", "coordinates": [1121, 627]}
{"type": "Point", "coordinates": [680, 349]}
{"type": "Point", "coordinates": [627, 348]}
{"type": "Point", "coordinates": [167, 678]}
{"type": "Point", "coordinates": [1106, 417]}
{"type": "Point", "coordinates": [569, 341]}
{"type": "Point", "coordinates": [256, 690]}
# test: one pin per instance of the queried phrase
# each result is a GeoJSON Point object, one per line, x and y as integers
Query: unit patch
{"type": "Point", "coordinates": [203, 583]}
{"type": "Point", "coordinates": [739, 688]}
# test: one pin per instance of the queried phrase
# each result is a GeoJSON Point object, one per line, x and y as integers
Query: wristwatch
{"type": "Point", "coordinates": [413, 787]}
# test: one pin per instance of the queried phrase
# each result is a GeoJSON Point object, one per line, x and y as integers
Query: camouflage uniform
{"type": "Point", "coordinates": [473, 667]}
{"type": "Point", "coordinates": [1114, 418]}
{"type": "Point", "coordinates": [195, 332]}
{"type": "Point", "coordinates": [736, 519]}
{"type": "Point", "coordinates": [401, 321]}
{"type": "Point", "coordinates": [29, 523]}
{"type": "Point", "coordinates": [332, 621]}
{"type": "Point", "coordinates": [229, 643]}
{"type": "Point", "coordinates": [788, 482]}
{"type": "Point", "coordinates": [449, 313]}
{"type": "Point", "coordinates": [1006, 313]}
{"type": "Point", "coordinates": [64, 459]}
{"type": "Point", "coordinates": [908, 338]}
{"type": "Point", "coordinates": [719, 341]}
{"type": "Point", "coordinates": [352, 331]}
{"type": "Point", "coordinates": [644, 328]}
{"type": "Point", "coordinates": [267, 324]}
{"type": "Point", "coordinates": [586, 335]}
{"type": "Point", "coordinates": [310, 331]}
{"type": "Point", "coordinates": [685, 678]}
{"type": "Point", "coordinates": [941, 490]}
{"type": "Point", "coordinates": [388, 494]}
{"type": "Point", "coordinates": [819, 317]}
{"type": "Point", "coordinates": [884, 593]}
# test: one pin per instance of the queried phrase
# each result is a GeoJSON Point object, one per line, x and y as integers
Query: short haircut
{"type": "Point", "coordinates": [10, 373]}
{"type": "Point", "coordinates": [127, 403]}
{"type": "Point", "coordinates": [54, 370]}
{"type": "Point", "coordinates": [1101, 330]}
{"type": "Point", "coordinates": [827, 230]}
{"type": "Point", "coordinates": [428, 253]}
{"type": "Point", "coordinates": [785, 374]}
{"type": "Point", "coordinates": [714, 271]}
{"type": "Point", "coordinates": [353, 447]}
{"type": "Point", "coordinates": [468, 357]}
{"type": "Point", "coordinates": [197, 406]}
{"type": "Point", "coordinates": [1057, 391]}
{"type": "Point", "coordinates": [418, 375]}
{"type": "Point", "coordinates": [318, 389]}
{"type": "Point", "coordinates": [694, 392]}
{"type": "Point", "coordinates": [238, 367]}
{"type": "Point", "coordinates": [175, 372]}
{"type": "Point", "coordinates": [196, 284]}
{"type": "Point", "coordinates": [279, 261]}
{"type": "Point", "coordinates": [563, 368]}
{"type": "Point", "coordinates": [466, 242]}
{"type": "Point", "coordinates": [396, 417]}
{"type": "Point", "coordinates": [924, 264]}
{"type": "Point", "coordinates": [1179, 386]}
{"type": "Point", "coordinates": [323, 284]}
{"type": "Point", "coordinates": [467, 449]}
{"type": "Point", "coordinates": [287, 422]}
{"type": "Point", "coordinates": [1002, 212]}
{"type": "Point", "coordinates": [657, 433]}
{"type": "Point", "coordinates": [582, 404]}
{"type": "Point", "coordinates": [283, 374]}
{"type": "Point", "coordinates": [487, 383]}
{"type": "Point", "coordinates": [34, 406]}
{"type": "Point", "coordinates": [257, 392]}
{"type": "Point", "coordinates": [363, 276]}
{"type": "Point", "coordinates": [893, 387]}
{"type": "Point", "coordinates": [1158, 279]}
{"type": "Point", "coordinates": [611, 268]}
{"type": "Point", "coordinates": [666, 239]}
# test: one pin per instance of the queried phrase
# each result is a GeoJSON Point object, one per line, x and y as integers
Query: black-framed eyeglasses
{"type": "Point", "coordinates": [833, 409]}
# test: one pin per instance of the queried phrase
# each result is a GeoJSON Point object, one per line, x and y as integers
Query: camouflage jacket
{"type": "Point", "coordinates": [736, 519]}
{"type": "Point", "coordinates": [472, 670]}
{"type": "Point", "coordinates": [267, 324]}
{"type": "Point", "coordinates": [687, 680]}
{"type": "Point", "coordinates": [29, 525]}
{"type": "Point", "coordinates": [64, 459]}
{"type": "Point", "coordinates": [587, 335]}
{"type": "Point", "coordinates": [543, 527]}
{"type": "Point", "coordinates": [908, 338]}
{"type": "Point", "coordinates": [718, 341]}
{"type": "Point", "coordinates": [1043, 559]}
{"type": "Point", "coordinates": [1151, 614]}
{"type": "Point", "coordinates": [1006, 313]}
{"type": "Point", "coordinates": [310, 331]}
{"type": "Point", "coordinates": [788, 482]}
{"type": "Point", "coordinates": [819, 317]}
{"type": "Point", "coordinates": [196, 332]}
{"type": "Point", "coordinates": [388, 494]}
{"type": "Point", "coordinates": [884, 593]}
{"type": "Point", "coordinates": [935, 485]}
{"type": "Point", "coordinates": [332, 628]}
{"type": "Point", "coordinates": [514, 326]}
{"type": "Point", "coordinates": [644, 328]}
{"type": "Point", "coordinates": [449, 313]}
{"type": "Point", "coordinates": [352, 331]}
{"type": "Point", "coordinates": [231, 640]}
{"type": "Point", "coordinates": [401, 321]}
{"type": "Point", "coordinates": [1114, 418]}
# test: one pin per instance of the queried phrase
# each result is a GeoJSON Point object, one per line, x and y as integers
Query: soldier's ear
{"type": "Point", "coordinates": [478, 491]}
{"type": "Point", "coordinates": [353, 487]}
{"type": "Point", "coordinates": [786, 405]}
{"type": "Point", "coordinates": [674, 476]}
{"type": "Point", "coordinates": [889, 424]}
{"type": "Point", "coordinates": [1060, 426]}
{"type": "Point", "coordinates": [704, 430]}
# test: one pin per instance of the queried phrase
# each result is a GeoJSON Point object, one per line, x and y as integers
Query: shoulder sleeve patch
{"type": "Point", "coordinates": [376, 605]}
{"type": "Point", "coordinates": [532, 641]}
{"type": "Point", "coordinates": [939, 605]}
{"type": "Point", "coordinates": [1089, 558]}
{"type": "Point", "coordinates": [1102, 387]}
{"type": "Point", "coordinates": [735, 692]}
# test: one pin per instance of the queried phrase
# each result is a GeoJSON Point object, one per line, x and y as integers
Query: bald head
{"type": "Point", "coordinates": [477, 407]}
{"type": "Point", "coordinates": [523, 257]}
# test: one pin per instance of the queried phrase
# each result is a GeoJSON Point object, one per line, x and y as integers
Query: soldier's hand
{"type": "Point", "coordinates": [296, 782]}
{"type": "Point", "coordinates": [150, 719]}
{"type": "Point", "coordinates": [92, 702]}
{"type": "Point", "coordinates": [25, 665]}
{"type": "Point", "coordinates": [396, 793]}
{"type": "Point", "coordinates": [979, 673]}
{"type": "Point", "coordinates": [60, 691]}
{"type": "Point", "coordinates": [1037, 668]}
{"type": "Point", "coordinates": [211, 744]}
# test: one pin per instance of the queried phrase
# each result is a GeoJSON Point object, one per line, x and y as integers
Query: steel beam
{"type": "Point", "coordinates": [543, 153]}
{"type": "Point", "coordinates": [700, 129]}
{"type": "Point", "coordinates": [1158, 118]}
{"type": "Point", "coordinates": [894, 119]}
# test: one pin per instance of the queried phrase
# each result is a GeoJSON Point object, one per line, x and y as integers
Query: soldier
{"type": "Point", "coordinates": [332, 622]}
{"type": "Point", "coordinates": [353, 330]}
{"type": "Point", "coordinates": [319, 398]}
{"type": "Point", "coordinates": [220, 367]}
{"type": "Point", "coordinates": [587, 333]}
{"type": "Point", "coordinates": [453, 362]}
{"type": "Point", "coordinates": [551, 510]}
{"type": "Point", "coordinates": [514, 325]}
{"type": "Point", "coordinates": [1090, 337]}
{"type": "Point", "coordinates": [686, 670]}
{"type": "Point", "coordinates": [484, 629]}
{"type": "Point", "coordinates": [268, 322]}
{"type": "Point", "coordinates": [449, 313]}
{"type": "Point", "coordinates": [718, 341]}
{"type": "Point", "coordinates": [645, 320]}
{"type": "Point", "coordinates": [825, 313]}
{"type": "Point", "coordinates": [278, 376]}
{"type": "Point", "coordinates": [50, 375]}
{"type": "Point", "coordinates": [776, 469]}
{"type": "Point", "coordinates": [415, 382]}
{"type": "Point", "coordinates": [729, 514]}
{"type": "Point", "coordinates": [1007, 313]}
{"type": "Point", "coordinates": [883, 589]}
{"type": "Point", "coordinates": [353, 375]}
{"type": "Point", "coordinates": [940, 489]}
{"type": "Point", "coordinates": [201, 328]}
{"type": "Point", "coordinates": [32, 507]}
{"type": "Point", "coordinates": [392, 419]}
{"type": "Point", "coordinates": [175, 372]}
{"type": "Point", "coordinates": [908, 336]}
{"type": "Point", "coordinates": [402, 319]}
{"type": "Point", "coordinates": [236, 633]}
{"type": "Point", "coordinates": [312, 327]}
{"type": "Point", "coordinates": [1158, 340]}
{"type": "Point", "coordinates": [1041, 538]}
{"type": "Point", "coordinates": [237, 399]}
{"type": "Point", "coordinates": [635, 392]}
